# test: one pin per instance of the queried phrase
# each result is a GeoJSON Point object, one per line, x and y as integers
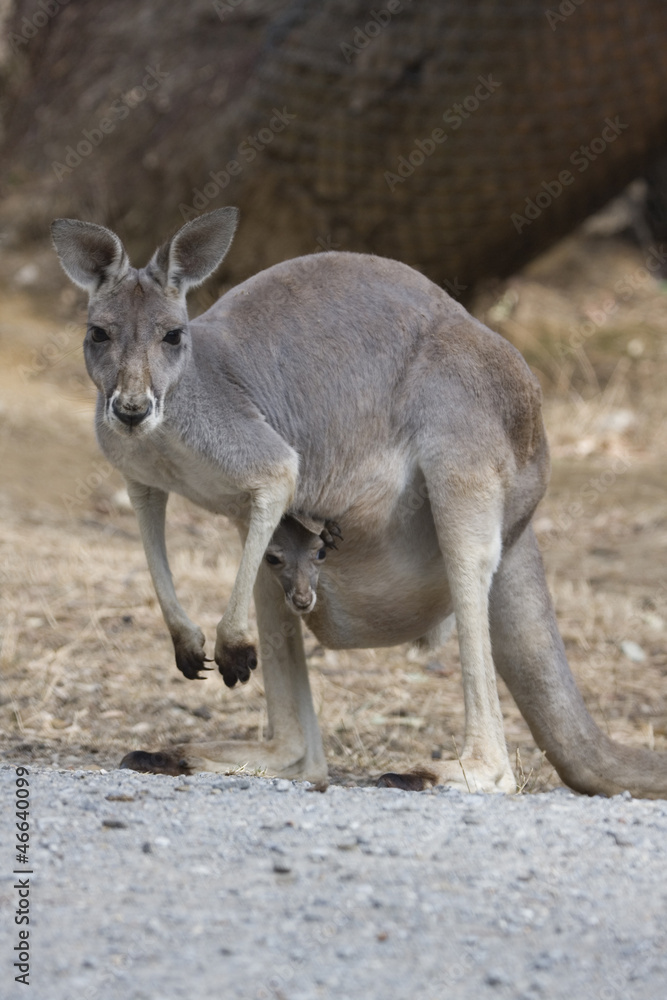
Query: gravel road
{"type": "Point", "coordinates": [158, 888]}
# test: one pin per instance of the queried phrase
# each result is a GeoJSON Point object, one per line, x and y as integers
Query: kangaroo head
{"type": "Point", "coordinates": [295, 556]}
{"type": "Point", "coordinates": [137, 344]}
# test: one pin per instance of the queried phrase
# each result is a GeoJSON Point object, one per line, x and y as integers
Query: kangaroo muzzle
{"type": "Point", "coordinates": [301, 603]}
{"type": "Point", "coordinates": [132, 410]}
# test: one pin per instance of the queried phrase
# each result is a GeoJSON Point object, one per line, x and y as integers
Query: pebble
{"type": "Point", "coordinates": [633, 651]}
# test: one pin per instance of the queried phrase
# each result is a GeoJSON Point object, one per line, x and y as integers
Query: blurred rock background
{"type": "Point", "coordinates": [423, 131]}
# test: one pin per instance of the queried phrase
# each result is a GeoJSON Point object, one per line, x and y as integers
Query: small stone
{"type": "Point", "coordinates": [281, 866]}
{"type": "Point", "coordinates": [347, 844]}
{"type": "Point", "coordinates": [203, 712]}
{"type": "Point", "coordinates": [114, 824]}
{"type": "Point", "coordinates": [496, 977]}
{"type": "Point", "coordinates": [621, 839]}
{"type": "Point", "coordinates": [346, 951]}
{"type": "Point", "coordinates": [283, 785]}
{"type": "Point", "coordinates": [633, 651]}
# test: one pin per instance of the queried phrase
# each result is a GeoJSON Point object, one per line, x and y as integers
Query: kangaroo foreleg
{"type": "Point", "coordinates": [150, 506]}
{"type": "Point", "coordinates": [235, 651]}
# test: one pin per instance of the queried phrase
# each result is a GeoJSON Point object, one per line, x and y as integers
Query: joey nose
{"type": "Point", "coordinates": [302, 602]}
{"type": "Point", "coordinates": [132, 413]}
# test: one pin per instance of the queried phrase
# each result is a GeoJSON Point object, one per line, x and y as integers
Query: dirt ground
{"type": "Point", "coordinates": [86, 662]}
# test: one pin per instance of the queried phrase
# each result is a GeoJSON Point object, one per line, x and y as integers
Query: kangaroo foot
{"type": "Point", "coordinates": [160, 762]}
{"type": "Point", "coordinates": [270, 759]}
{"type": "Point", "coordinates": [472, 775]}
{"type": "Point", "coordinates": [468, 775]}
{"type": "Point", "coordinates": [411, 781]}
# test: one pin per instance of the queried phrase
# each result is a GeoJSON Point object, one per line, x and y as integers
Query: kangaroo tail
{"type": "Point", "coordinates": [529, 655]}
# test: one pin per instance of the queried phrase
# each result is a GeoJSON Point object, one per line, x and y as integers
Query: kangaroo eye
{"type": "Point", "coordinates": [322, 554]}
{"type": "Point", "coordinates": [173, 337]}
{"type": "Point", "coordinates": [98, 335]}
{"type": "Point", "coordinates": [273, 560]}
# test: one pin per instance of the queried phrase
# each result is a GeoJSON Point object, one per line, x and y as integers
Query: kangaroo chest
{"type": "Point", "coordinates": [167, 464]}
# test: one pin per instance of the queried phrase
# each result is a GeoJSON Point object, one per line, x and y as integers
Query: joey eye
{"type": "Point", "coordinates": [321, 554]}
{"type": "Point", "coordinates": [98, 335]}
{"type": "Point", "coordinates": [272, 560]}
{"type": "Point", "coordinates": [173, 337]}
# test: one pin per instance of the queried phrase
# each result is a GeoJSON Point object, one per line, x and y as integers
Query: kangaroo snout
{"type": "Point", "coordinates": [301, 602]}
{"type": "Point", "coordinates": [131, 410]}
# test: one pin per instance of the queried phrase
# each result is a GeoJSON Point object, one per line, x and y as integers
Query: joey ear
{"type": "Point", "coordinates": [312, 525]}
{"type": "Point", "coordinates": [91, 256]}
{"type": "Point", "coordinates": [195, 251]}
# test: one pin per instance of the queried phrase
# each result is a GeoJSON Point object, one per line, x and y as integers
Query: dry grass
{"type": "Point", "coordinates": [86, 665]}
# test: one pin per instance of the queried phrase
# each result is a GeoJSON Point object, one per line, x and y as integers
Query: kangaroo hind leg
{"type": "Point", "coordinates": [467, 506]}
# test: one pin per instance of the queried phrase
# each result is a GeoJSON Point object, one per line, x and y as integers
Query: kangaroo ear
{"type": "Point", "coordinates": [91, 255]}
{"type": "Point", "coordinates": [195, 251]}
{"type": "Point", "coordinates": [311, 524]}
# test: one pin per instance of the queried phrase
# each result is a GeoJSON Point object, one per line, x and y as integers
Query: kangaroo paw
{"type": "Point", "coordinates": [236, 662]}
{"type": "Point", "coordinates": [190, 664]}
{"type": "Point", "coordinates": [190, 655]}
{"type": "Point", "coordinates": [329, 533]}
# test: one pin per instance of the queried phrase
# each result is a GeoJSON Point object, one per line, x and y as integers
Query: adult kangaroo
{"type": "Point", "coordinates": [351, 388]}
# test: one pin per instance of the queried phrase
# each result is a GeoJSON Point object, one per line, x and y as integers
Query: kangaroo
{"type": "Point", "coordinates": [296, 554]}
{"type": "Point", "coordinates": [350, 384]}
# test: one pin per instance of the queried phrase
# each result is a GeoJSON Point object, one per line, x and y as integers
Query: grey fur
{"type": "Point", "coordinates": [351, 387]}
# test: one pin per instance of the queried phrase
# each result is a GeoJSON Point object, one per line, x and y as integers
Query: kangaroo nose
{"type": "Point", "coordinates": [302, 602]}
{"type": "Point", "coordinates": [131, 414]}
